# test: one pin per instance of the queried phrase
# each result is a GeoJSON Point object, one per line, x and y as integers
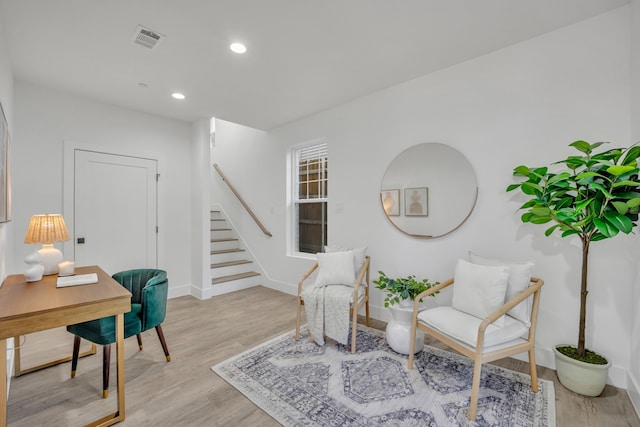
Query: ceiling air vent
{"type": "Point", "coordinates": [146, 37]}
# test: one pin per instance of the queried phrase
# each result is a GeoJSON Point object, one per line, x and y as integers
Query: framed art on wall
{"type": "Point", "coordinates": [416, 201]}
{"type": "Point", "coordinates": [5, 169]}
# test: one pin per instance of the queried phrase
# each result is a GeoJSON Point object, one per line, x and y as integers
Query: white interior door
{"type": "Point", "coordinates": [115, 211]}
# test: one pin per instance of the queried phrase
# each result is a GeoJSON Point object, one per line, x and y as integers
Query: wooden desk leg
{"type": "Point", "coordinates": [3, 383]}
{"type": "Point", "coordinates": [117, 416]}
{"type": "Point", "coordinates": [120, 364]}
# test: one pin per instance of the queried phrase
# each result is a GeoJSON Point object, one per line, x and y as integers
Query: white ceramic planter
{"type": "Point", "coordinates": [398, 332]}
{"type": "Point", "coordinates": [583, 378]}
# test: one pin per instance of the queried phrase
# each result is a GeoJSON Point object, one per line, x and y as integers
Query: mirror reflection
{"type": "Point", "coordinates": [428, 190]}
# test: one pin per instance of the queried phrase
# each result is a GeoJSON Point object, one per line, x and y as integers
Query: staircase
{"type": "Point", "coordinates": [231, 266]}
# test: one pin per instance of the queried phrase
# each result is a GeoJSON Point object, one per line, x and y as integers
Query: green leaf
{"type": "Point", "coordinates": [559, 177]}
{"type": "Point", "coordinates": [626, 184]}
{"type": "Point", "coordinates": [633, 203]}
{"type": "Point", "coordinates": [584, 175]}
{"type": "Point", "coordinates": [570, 232]}
{"type": "Point", "coordinates": [583, 204]}
{"type": "Point", "coordinates": [621, 207]}
{"type": "Point", "coordinates": [512, 187]}
{"type": "Point", "coordinates": [632, 155]}
{"type": "Point", "coordinates": [618, 170]}
{"type": "Point", "coordinates": [529, 204]}
{"type": "Point", "coordinates": [620, 222]}
{"type": "Point", "coordinates": [600, 187]}
{"type": "Point", "coordinates": [522, 170]}
{"type": "Point", "coordinates": [530, 188]}
{"type": "Point", "coordinates": [605, 228]}
{"type": "Point", "coordinates": [550, 230]}
{"type": "Point", "coordinates": [540, 211]}
{"type": "Point", "coordinates": [582, 146]}
{"type": "Point", "coordinates": [540, 219]}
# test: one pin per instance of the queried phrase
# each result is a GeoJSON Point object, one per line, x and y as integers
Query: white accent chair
{"type": "Point", "coordinates": [359, 298]}
{"type": "Point", "coordinates": [486, 338]}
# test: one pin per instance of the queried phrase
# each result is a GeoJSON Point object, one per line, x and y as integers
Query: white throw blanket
{"type": "Point", "coordinates": [327, 309]}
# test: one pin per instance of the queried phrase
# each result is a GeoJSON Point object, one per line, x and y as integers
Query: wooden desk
{"type": "Point", "coordinates": [31, 307]}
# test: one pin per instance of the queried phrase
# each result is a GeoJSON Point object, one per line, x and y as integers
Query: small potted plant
{"type": "Point", "coordinates": [402, 291]}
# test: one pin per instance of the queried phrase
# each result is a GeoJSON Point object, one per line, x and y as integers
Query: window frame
{"type": "Point", "coordinates": [293, 199]}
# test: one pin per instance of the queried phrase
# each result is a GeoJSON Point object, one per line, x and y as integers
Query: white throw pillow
{"type": "Point", "coordinates": [479, 290]}
{"type": "Point", "coordinates": [519, 279]}
{"type": "Point", "coordinates": [359, 255]}
{"type": "Point", "coordinates": [335, 268]}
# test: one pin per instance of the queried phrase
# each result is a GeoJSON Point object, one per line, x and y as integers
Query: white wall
{"type": "Point", "coordinates": [6, 229]}
{"type": "Point", "coordinates": [6, 99]}
{"type": "Point", "coordinates": [634, 371]}
{"type": "Point", "coordinates": [520, 105]}
{"type": "Point", "coordinates": [45, 118]}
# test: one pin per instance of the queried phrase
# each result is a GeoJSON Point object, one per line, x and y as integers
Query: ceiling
{"type": "Point", "coordinates": [303, 56]}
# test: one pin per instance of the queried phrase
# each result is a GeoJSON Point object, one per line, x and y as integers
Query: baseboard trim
{"type": "Point", "coordinates": [633, 390]}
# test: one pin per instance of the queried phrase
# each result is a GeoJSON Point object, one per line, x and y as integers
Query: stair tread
{"type": "Point", "coordinates": [226, 251]}
{"type": "Point", "coordinates": [230, 263]}
{"type": "Point", "coordinates": [224, 239]}
{"type": "Point", "coordinates": [217, 280]}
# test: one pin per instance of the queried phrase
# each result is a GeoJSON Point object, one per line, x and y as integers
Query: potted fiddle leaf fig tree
{"type": "Point", "coordinates": [594, 195]}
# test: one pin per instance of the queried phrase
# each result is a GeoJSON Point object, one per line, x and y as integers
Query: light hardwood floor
{"type": "Point", "coordinates": [185, 392]}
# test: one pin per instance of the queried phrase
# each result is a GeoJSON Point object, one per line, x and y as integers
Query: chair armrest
{"type": "Point", "coordinates": [531, 289]}
{"type": "Point", "coordinates": [364, 274]}
{"type": "Point", "coordinates": [305, 277]}
{"type": "Point", "coordinates": [430, 291]}
{"type": "Point", "coordinates": [154, 302]}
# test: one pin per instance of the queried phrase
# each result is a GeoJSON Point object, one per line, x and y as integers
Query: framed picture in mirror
{"type": "Point", "coordinates": [416, 202]}
{"type": "Point", "coordinates": [391, 201]}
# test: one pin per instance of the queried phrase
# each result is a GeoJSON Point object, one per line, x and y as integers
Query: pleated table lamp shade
{"type": "Point", "coordinates": [48, 229]}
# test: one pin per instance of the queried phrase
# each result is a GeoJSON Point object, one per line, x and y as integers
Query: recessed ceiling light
{"type": "Point", "coordinates": [178, 95]}
{"type": "Point", "coordinates": [238, 47]}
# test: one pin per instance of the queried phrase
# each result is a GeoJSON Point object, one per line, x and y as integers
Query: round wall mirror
{"type": "Point", "coordinates": [429, 190]}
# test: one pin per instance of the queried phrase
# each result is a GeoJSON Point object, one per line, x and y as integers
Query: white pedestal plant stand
{"type": "Point", "coordinates": [398, 332]}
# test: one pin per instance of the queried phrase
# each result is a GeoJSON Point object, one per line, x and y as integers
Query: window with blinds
{"type": "Point", "coordinates": [310, 199]}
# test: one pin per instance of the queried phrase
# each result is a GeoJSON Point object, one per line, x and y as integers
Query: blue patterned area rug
{"type": "Point", "coordinates": [302, 384]}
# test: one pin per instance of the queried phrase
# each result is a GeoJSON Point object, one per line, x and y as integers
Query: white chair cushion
{"type": "Point", "coordinates": [519, 279]}
{"type": "Point", "coordinates": [359, 255]}
{"type": "Point", "coordinates": [335, 268]}
{"type": "Point", "coordinates": [464, 327]}
{"type": "Point", "coordinates": [479, 290]}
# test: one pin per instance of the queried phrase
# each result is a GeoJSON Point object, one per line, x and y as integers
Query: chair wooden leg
{"type": "Point", "coordinates": [354, 329]}
{"type": "Point", "coordinates": [412, 345]}
{"type": "Point", "coordinates": [298, 313]}
{"type": "Point", "coordinates": [74, 355]}
{"type": "Point", "coordinates": [475, 390]}
{"type": "Point", "coordinates": [106, 363]}
{"type": "Point", "coordinates": [366, 309]}
{"type": "Point", "coordinates": [139, 338]}
{"type": "Point", "coordinates": [533, 370]}
{"type": "Point", "coordinates": [163, 342]}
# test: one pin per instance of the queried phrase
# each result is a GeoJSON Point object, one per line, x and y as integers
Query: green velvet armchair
{"type": "Point", "coordinates": [149, 288]}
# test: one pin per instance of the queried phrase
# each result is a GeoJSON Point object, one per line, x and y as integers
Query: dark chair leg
{"type": "Point", "coordinates": [139, 337]}
{"type": "Point", "coordinates": [106, 363]}
{"type": "Point", "coordinates": [163, 342]}
{"type": "Point", "coordinates": [74, 356]}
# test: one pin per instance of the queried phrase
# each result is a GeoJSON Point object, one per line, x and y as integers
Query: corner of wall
{"type": "Point", "coordinates": [633, 390]}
